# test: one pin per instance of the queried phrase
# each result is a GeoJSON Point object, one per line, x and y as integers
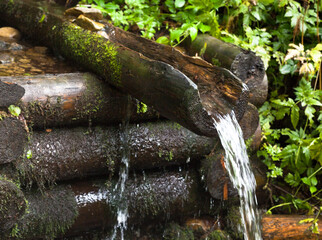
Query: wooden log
{"type": "Point", "coordinates": [13, 138]}
{"type": "Point", "coordinates": [58, 100]}
{"type": "Point", "coordinates": [153, 198]}
{"type": "Point", "coordinates": [12, 205]}
{"type": "Point", "coordinates": [64, 154]}
{"type": "Point", "coordinates": [278, 227]}
{"type": "Point", "coordinates": [192, 97]}
{"type": "Point", "coordinates": [244, 64]}
{"type": "Point", "coordinates": [10, 93]}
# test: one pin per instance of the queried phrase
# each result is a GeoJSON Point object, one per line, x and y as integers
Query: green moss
{"type": "Point", "coordinates": [50, 215]}
{"type": "Point", "coordinates": [90, 50]}
{"type": "Point", "coordinates": [176, 232]}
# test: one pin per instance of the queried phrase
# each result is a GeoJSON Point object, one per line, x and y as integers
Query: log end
{"type": "Point", "coordinates": [250, 68]}
{"type": "Point", "coordinates": [12, 205]}
{"type": "Point", "coordinates": [13, 139]}
{"type": "Point", "coordinates": [10, 93]}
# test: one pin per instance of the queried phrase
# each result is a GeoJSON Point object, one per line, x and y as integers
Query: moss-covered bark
{"type": "Point", "coordinates": [81, 152]}
{"type": "Point", "coordinates": [12, 205]}
{"type": "Point", "coordinates": [192, 97]}
{"type": "Point", "coordinates": [57, 100]}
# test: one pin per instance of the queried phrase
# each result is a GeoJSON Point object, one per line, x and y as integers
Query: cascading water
{"type": "Point", "coordinates": [118, 191]}
{"type": "Point", "coordinates": [237, 165]}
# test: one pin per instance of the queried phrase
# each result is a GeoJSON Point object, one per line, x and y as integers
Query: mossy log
{"type": "Point", "coordinates": [243, 63]}
{"type": "Point", "coordinates": [152, 198]}
{"type": "Point", "coordinates": [12, 205]}
{"type": "Point", "coordinates": [13, 138]}
{"type": "Point", "coordinates": [10, 93]}
{"type": "Point", "coordinates": [278, 227]}
{"type": "Point", "coordinates": [187, 90]}
{"type": "Point", "coordinates": [57, 100]}
{"type": "Point", "coordinates": [64, 154]}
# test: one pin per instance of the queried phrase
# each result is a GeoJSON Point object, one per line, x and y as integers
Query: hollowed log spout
{"type": "Point", "coordinates": [187, 90]}
{"type": "Point", "coordinates": [244, 64]}
{"type": "Point", "coordinates": [152, 200]}
{"type": "Point", "coordinates": [57, 100]}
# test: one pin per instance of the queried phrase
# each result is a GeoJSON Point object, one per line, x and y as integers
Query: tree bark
{"type": "Point", "coordinates": [152, 199]}
{"type": "Point", "coordinates": [278, 227]}
{"type": "Point", "coordinates": [244, 64]}
{"type": "Point", "coordinates": [10, 93]}
{"type": "Point", "coordinates": [58, 100]}
{"type": "Point", "coordinates": [64, 154]}
{"type": "Point", "coordinates": [192, 97]}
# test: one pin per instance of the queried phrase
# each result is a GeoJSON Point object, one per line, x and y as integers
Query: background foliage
{"type": "Point", "coordinates": [286, 35]}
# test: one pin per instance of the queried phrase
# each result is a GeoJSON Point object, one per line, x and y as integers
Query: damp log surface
{"type": "Point", "coordinates": [243, 63]}
{"type": "Point", "coordinates": [192, 96]}
{"type": "Point", "coordinates": [278, 227]}
{"type": "Point", "coordinates": [75, 153]}
{"type": "Point", "coordinates": [153, 198]}
{"type": "Point", "coordinates": [57, 100]}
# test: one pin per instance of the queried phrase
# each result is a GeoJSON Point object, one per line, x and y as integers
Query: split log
{"type": "Point", "coordinates": [244, 64]}
{"type": "Point", "coordinates": [278, 227]}
{"type": "Point", "coordinates": [152, 199]}
{"type": "Point", "coordinates": [13, 139]}
{"type": "Point", "coordinates": [81, 152]}
{"type": "Point", "coordinates": [192, 97]}
{"type": "Point", "coordinates": [57, 100]}
{"type": "Point", "coordinates": [10, 93]}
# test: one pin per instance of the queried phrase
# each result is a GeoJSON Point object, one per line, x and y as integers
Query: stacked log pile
{"type": "Point", "coordinates": [65, 148]}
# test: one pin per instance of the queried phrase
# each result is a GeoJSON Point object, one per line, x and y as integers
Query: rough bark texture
{"type": "Point", "coordinates": [12, 205]}
{"type": "Point", "coordinates": [75, 153]}
{"type": "Point", "coordinates": [278, 227]}
{"type": "Point", "coordinates": [192, 97]}
{"type": "Point", "coordinates": [13, 139]}
{"type": "Point", "coordinates": [153, 199]}
{"type": "Point", "coordinates": [244, 64]}
{"type": "Point", "coordinates": [57, 100]}
{"type": "Point", "coordinates": [218, 182]}
{"type": "Point", "coordinates": [10, 93]}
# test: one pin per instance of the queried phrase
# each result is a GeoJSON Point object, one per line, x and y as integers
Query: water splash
{"type": "Point", "coordinates": [118, 191]}
{"type": "Point", "coordinates": [237, 165]}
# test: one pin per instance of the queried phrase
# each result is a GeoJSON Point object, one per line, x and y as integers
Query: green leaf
{"type": "Point", "coordinates": [306, 180]}
{"type": "Point", "coordinates": [163, 40]}
{"type": "Point", "coordinates": [179, 3]}
{"type": "Point", "coordinates": [176, 34]}
{"type": "Point", "coordinates": [256, 15]}
{"type": "Point", "coordinates": [313, 189]}
{"type": "Point", "coordinates": [306, 220]}
{"type": "Point", "coordinates": [286, 69]}
{"type": "Point", "coordinates": [295, 115]}
{"type": "Point", "coordinates": [15, 111]}
{"type": "Point", "coordinates": [204, 28]}
{"type": "Point", "coordinates": [193, 32]}
{"type": "Point", "coordinates": [29, 154]}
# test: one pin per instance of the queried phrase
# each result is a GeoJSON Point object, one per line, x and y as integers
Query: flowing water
{"type": "Point", "coordinates": [237, 165]}
{"type": "Point", "coordinates": [118, 191]}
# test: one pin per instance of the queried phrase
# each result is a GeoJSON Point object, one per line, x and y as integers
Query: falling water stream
{"type": "Point", "coordinates": [118, 191]}
{"type": "Point", "coordinates": [237, 165]}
